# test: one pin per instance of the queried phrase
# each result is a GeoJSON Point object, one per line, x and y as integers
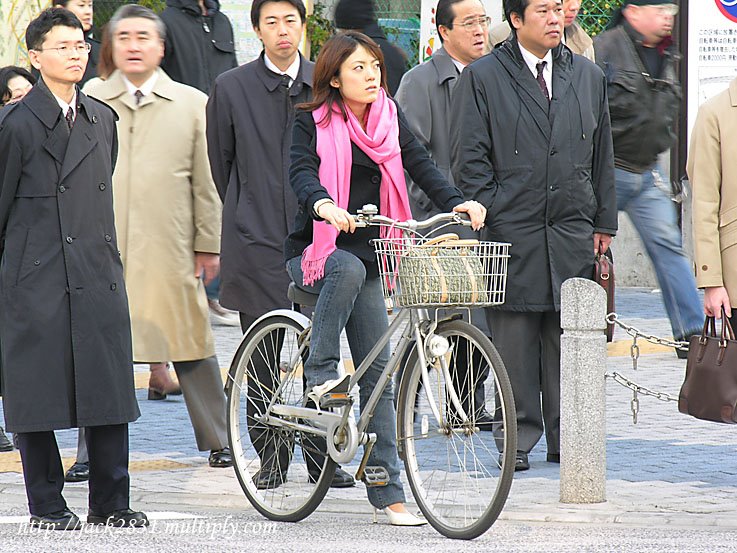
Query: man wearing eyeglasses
{"type": "Point", "coordinates": [425, 94]}
{"type": "Point", "coordinates": [64, 323]}
{"type": "Point", "coordinates": [638, 57]}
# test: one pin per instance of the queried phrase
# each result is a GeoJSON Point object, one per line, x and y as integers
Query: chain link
{"type": "Point", "coordinates": [636, 388]}
{"type": "Point", "coordinates": [612, 318]}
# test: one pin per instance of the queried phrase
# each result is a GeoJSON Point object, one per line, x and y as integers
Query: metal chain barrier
{"type": "Point", "coordinates": [637, 389]}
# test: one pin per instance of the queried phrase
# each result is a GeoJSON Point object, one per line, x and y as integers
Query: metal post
{"type": "Point", "coordinates": [583, 357]}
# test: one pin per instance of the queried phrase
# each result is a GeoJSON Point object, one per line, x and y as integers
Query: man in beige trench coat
{"type": "Point", "coordinates": [168, 217]}
{"type": "Point", "coordinates": [712, 170]}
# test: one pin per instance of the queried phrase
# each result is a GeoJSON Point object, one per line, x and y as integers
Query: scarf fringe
{"type": "Point", "coordinates": [313, 269]}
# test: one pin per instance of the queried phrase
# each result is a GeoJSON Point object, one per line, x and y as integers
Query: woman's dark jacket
{"type": "Point", "coordinates": [365, 183]}
{"type": "Point", "coordinates": [198, 47]}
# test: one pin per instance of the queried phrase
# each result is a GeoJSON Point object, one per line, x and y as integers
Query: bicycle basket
{"type": "Point", "coordinates": [442, 272]}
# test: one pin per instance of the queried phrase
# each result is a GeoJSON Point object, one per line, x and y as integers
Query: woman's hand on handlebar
{"type": "Point", "coordinates": [475, 211]}
{"type": "Point", "coordinates": [339, 218]}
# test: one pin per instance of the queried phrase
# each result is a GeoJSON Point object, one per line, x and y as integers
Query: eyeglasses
{"type": "Point", "coordinates": [68, 51]}
{"type": "Point", "coordinates": [471, 24]}
{"type": "Point", "coordinates": [665, 9]}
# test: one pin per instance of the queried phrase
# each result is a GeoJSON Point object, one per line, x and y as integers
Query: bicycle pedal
{"type": "Point", "coordinates": [336, 399]}
{"type": "Point", "coordinates": [375, 476]}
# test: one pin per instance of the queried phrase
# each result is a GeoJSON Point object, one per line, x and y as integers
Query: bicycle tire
{"type": "Point", "coordinates": [275, 338]}
{"type": "Point", "coordinates": [452, 515]}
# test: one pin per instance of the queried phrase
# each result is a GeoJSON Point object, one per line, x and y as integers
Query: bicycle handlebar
{"type": "Point", "coordinates": [368, 216]}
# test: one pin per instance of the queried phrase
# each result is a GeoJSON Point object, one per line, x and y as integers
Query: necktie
{"type": "Point", "coordinates": [138, 94]}
{"type": "Point", "coordinates": [69, 116]}
{"type": "Point", "coordinates": [541, 80]}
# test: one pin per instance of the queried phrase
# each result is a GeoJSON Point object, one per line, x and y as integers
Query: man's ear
{"type": "Point", "coordinates": [35, 60]}
{"type": "Point", "coordinates": [516, 20]}
{"type": "Point", "coordinates": [443, 32]}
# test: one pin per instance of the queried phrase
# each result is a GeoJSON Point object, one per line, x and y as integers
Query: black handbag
{"type": "Point", "coordinates": [709, 391]}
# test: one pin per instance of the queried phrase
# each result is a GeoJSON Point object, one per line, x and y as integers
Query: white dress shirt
{"type": "Point", "coordinates": [146, 88]}
{"type": "Point", "coordinates": [532, 60]}
{"type": "Point", "coordinates": [65, 107]}
{"type": "Point", "coordinates": [292, 71]}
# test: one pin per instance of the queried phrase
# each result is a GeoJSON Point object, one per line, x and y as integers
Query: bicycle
{"type": "Point", "coordinates": [459, 481]}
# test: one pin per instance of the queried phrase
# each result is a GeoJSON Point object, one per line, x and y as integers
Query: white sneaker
{"type": "Point", "coordinates": [221, 316]}
{"type": "Point", "coordinates": [331, 393]}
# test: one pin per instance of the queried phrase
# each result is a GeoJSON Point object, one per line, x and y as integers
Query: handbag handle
{"type": "Point", "coordinates": [727, 331]}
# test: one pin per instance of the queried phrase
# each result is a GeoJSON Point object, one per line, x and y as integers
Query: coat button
{"type": "Point", "coordinates": [704, 267]}
{"type": "Point", "coordinates": [550, 223]}
{"type": "Point", "coordinates": [37, 263]}
{"type": "Point", "coordinates": [108, 238]}
{"type": "Point", "coordinates": [102, 186]}
{"type": "Point", "coordinates": [113, 286]}
{"type": "Point", "coordinates": [62, 189]}
{"type": "Point", "coordinates": [70, 239]}
{"type": "Point", "coordinates": [376, 179]}
{"type": "Point", "coordinates": [94, 118]}
{"type": "Point", "coordinates": [553, 152]}
{"type": "Point", "coordinates": [553, 188]}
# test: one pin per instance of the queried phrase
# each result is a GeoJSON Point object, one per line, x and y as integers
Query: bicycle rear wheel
{"type": "Point", "coordinates": [284, 473]}
{"type": "Point", "coordinates": [457, 476]}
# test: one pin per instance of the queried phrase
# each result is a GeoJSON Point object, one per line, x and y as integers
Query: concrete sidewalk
{"type": "Point", "coordinates": [668, 469]}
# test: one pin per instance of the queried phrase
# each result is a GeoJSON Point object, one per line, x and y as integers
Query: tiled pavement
{"type": "Point", "coordinates": [666, 469]}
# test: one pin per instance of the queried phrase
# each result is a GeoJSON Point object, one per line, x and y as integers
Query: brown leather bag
{"type": "Point", "coordinates": [604, 276]}
{"type": "Point", "coordinates": [709, 391]}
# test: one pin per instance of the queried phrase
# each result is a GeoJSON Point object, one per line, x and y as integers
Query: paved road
{"type": "Point", "coordinates": [671, 484]}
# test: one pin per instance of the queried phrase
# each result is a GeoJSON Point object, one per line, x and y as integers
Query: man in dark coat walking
{"type": "Point", "coordinates": [249, 135]}
{"type": "Point", "coordinates": [359, 15]}
{"type": "Point", "coordinates": [199, 42]}
{"type": "Point", "coordinates": [64, 326]}
{"type": "Point", "coordinates": [531, 140]}
{"type": "Point", "coordinates": [640, 60]}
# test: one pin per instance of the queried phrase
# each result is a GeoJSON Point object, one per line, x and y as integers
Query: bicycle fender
{"type": "Point", "coordinates": [298, 318]}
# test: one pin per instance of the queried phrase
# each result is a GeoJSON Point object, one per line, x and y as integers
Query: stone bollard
{"type": "Point", "coordinates": [583, 357]}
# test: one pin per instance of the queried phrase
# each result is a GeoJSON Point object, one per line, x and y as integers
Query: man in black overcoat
{"type": "Point", "coordinates": [249, 135]}
{"type": "Point", "coordinates": [64, 326]}
{"type": "Point", "coordinates": [531, 140]}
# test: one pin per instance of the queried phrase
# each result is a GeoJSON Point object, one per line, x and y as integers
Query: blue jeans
{"type": "Point", "coordinates": [654, 216]}
{"type": "Point", "coordinates": [348, 300]}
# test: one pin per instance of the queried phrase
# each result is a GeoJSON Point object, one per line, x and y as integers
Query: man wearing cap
{"type": "Point", "coordinates": [638, 57]}
{"type": "Point", "coordinates": [360, 15]}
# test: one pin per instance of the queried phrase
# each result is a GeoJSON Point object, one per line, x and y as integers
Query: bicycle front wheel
{"type": "Point", "coordinates": [284, 473]}
{"type": "Point", "coordinates": [458, 477]}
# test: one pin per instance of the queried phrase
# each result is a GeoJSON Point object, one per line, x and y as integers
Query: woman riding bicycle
{"type": "Point", "coordinates": [351, 146]}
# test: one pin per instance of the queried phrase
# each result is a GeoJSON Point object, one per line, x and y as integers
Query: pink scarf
{"type": "Point", "coordinates": [380, 142]}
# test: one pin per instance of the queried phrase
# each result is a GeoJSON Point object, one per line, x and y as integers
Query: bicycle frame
{"type": "Point", "coordinates": [412, 319]}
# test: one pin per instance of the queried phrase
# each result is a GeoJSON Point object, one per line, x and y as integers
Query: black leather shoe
{"type": "Point", "coordinates": [269, 478]}
{"type": "Point", "coordinates": [520, 461]}
{"type": "Point", "coordinates": [78, 472]}
{"type": "Point", "coordinates": [553, 458]}
{"type": "Point", "coordinates": [220, 458]}
{"type": "Point", "coordinates": [341, 479]}
{"type": "Point", "coordinates": [123, 518]}
{"type": "Point", "coordinates": [5, 443]}
{"type": "Point", "coordinates": [59, 520]}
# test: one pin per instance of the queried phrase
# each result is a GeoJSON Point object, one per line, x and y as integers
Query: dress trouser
{"type": "Point", "coordinates": [529, 345]}
{"type": "Point", "coordinates": [109, 485]}
{"type": "Point", "coordinates": [204, 395]}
